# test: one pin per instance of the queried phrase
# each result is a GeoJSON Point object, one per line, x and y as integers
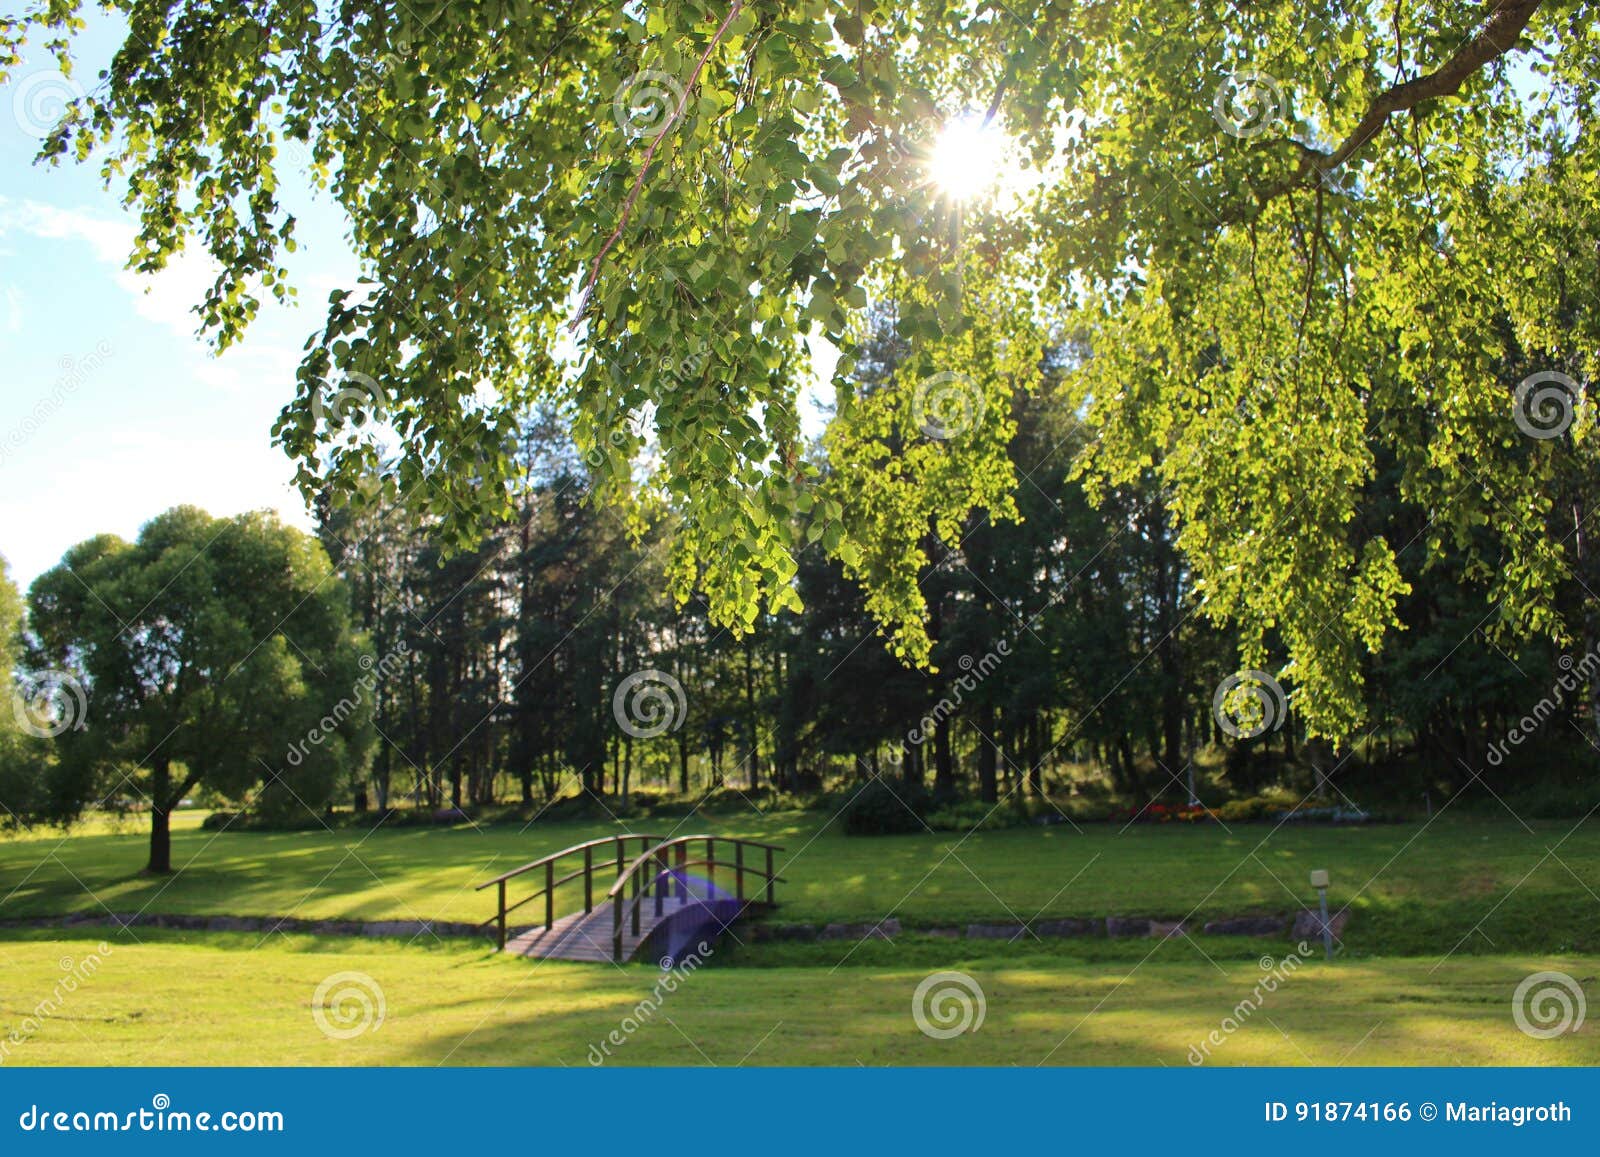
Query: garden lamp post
{"type": "Point", "coordinates": [1319, 881]}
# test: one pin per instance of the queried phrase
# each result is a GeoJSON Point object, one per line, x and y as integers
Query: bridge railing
{"type": "Point", "coordinates": [661, 868]}
{"type": "Point", "coordinates": [605, 852]}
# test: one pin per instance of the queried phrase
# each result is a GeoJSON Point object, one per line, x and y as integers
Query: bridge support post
{"type": "Point", "coordinates": [588, 879]}
{"type": "Point", "coordinates": [738, 870]}
{"type": "Point", "coordinates": [502, 920]}
{"type": "Point", "coordinates": [549, 895]}
{"type": "Point", "coordinates": [616, 928]}
{"type": "Point", "coordinates": [769, 876]}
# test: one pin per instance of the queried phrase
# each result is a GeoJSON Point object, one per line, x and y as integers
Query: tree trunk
{"type": "Point", "coordinates": [750, 716]}
{"type": "Point", "coordinates": [988, 764]}
{"type": "Point", "coordinates": [160, 819]}
{"type": "Point", "coordinates": [910, 764]}
{"type": "Point", "coordinates": [944, 764]}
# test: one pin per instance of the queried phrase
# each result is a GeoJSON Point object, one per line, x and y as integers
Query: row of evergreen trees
{"type": "Point", "coordinates": [1068, 645]}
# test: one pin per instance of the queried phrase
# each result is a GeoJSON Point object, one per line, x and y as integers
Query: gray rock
{"type": "Point", "coordinates": [883, 930]}
{"type": "Point", "coordinates": [1308, 923]}
{"type": "Point", "coordinates": [942, 933]}
{"type": "Point", "coordinates": [782, 932]}
{"type": "Point", "coordinates": [1067, 927]}
{"type": "Point", "coordinates": [406, 928]}
{"type": "Point", "coordinates": [996, 932]}
{"type": "Point", "coordinates": [1167, 929]}
{"type": "Point", "coordinates": [1120, 926]}
{"type": "Point", "coordinates": [1246, 926]}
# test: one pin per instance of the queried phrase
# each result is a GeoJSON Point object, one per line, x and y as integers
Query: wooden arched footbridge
{"type": "Point", "coordinates": [655, 886]}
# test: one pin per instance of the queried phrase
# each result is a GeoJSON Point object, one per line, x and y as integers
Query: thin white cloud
{"type": "Point", "coordinates": [166, 298]}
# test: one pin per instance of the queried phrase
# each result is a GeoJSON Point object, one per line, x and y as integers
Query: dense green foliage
{"type": "Point", "coordinates": [1307, 250]}
{"type": "Point", "coordinates": [210, 652]}
{"type": "Point", "coordinates": [1067, 661]}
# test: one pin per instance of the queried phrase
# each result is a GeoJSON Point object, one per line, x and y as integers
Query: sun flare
{"type": "Point", "coordinates": [969, 158]}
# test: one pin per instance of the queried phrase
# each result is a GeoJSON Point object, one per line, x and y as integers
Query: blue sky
{"type": "Point", "coordinates": [111, 408]}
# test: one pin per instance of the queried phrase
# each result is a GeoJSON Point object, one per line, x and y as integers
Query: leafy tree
{"type": "Point", "coordinates": [215, 652]}
{"type": "Point", "coordinates": [21, 760]}
{"type": "Point", "coordinates": [1291, 232]}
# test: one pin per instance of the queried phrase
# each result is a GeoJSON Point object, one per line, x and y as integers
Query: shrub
{"type": "Point", "coordinates": [974, 816]}
{"type": "Point", "coordinates": [881, 808]}
{"type": "Point", "coordinates": [1243, 811]}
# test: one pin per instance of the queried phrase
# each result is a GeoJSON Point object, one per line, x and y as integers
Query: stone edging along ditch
{"type": "Point", "coordinates": [1302, 925]}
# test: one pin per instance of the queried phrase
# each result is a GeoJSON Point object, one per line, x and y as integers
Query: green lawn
{"type": "Point", "coordinates": [1449, 917]}
{"type": "Point", "coordinates": [1485, 886]}
{"type": "Point", "coordinates": [182, 999]}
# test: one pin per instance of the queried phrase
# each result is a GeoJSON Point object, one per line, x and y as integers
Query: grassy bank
{"type": "Point", "coordinates": [174, 999]}
{"type": "Point", "coordinates": [1465, 884]}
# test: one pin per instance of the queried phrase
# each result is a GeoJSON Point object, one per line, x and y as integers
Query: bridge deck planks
{"type": "Point", "coordinates": [586, 936]}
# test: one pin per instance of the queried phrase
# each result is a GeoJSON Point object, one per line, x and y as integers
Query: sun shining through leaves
{"type": "Point", "coordinates": [973, 160]}
{"type": "Point", "coordinates": [969, 159]}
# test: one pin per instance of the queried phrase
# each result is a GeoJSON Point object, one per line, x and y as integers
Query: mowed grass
{"type": "Point", "coordinates": [1457, 885]}
{"type": "Point", "coordinates": [171, 998]}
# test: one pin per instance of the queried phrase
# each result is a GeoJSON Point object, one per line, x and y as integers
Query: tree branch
{"type": "Point", "coordinates": [638, 182]}
{"type": "Point", "coordinates": [1505, 24]}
